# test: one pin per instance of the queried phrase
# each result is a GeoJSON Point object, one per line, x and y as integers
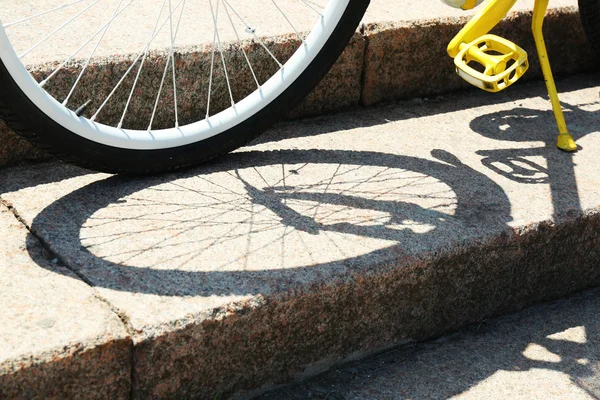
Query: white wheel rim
{"type": "Point", "coordinates": [186, 134]}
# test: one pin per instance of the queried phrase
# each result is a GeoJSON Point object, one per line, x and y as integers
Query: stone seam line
{"type": "Point", "coordinates": [121, 316]}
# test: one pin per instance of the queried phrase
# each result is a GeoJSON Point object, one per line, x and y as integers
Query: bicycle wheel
{"type": "Point", "coordinates": [134, 121]}
{"type": "Point", "coordinates": [589, 11]}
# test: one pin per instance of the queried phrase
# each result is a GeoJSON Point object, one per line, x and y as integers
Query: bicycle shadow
{"type": "Point", "coordinates": [345, 211]}
{"type": "Point", "coordinates": [457, 367]}
{"type": "Point", "coordinates": [269, 222]}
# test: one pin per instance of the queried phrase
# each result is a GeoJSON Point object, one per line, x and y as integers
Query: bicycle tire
{"type": "Point", "coordinates": [589, 12]}
{"type": "Point", "coordinates": [29, 121]}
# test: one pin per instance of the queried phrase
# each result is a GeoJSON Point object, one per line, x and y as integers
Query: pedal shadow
{"type": "Point", "coordinates": [544, 164]}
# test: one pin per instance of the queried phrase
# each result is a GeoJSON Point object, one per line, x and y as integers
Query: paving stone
{"type": "Point", "coordinates": [394, 70]}
{"type": "Point", "coordinates": [551, 351]}
{"type": "Point", "coordinates": [57, 338]}
{"type": "Point", "coordinates": [331, 238]}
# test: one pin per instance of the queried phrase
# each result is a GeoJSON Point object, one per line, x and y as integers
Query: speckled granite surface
{"type": "Point", "coordinates": [407, 59]}
{"type": "Point", "coordinates": [14, 149]}
{"type": "Point", "coordinates": [57, 338]}
{"type": "Point", "coordinates": [550, 351]}
{"type": "Point", "coordinates": [310, 247]}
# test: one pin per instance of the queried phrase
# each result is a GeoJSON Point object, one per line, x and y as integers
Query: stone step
{"type": "Point", "coordinates": [57, 338]}
{"type": "Point", "coordinates": [326, 240]}
{"type": "Point", "coordinates": [550, 351]}
{"type": "Point", "coordinates": [398, 52]}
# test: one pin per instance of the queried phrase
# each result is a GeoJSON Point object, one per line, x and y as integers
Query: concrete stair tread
{"type": "Point", "coordinates": [196, 25]}
{"type": "Point", "coordinates": [330, 238]}
{"type": "Point", "coordinates": [54, 328]}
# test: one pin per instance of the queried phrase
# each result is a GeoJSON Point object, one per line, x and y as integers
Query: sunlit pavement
{"type": "Point", "coordinates": [327, 239]}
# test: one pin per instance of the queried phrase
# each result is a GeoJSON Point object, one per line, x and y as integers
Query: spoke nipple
{"type": "Point", "coordinates": [79, 112]}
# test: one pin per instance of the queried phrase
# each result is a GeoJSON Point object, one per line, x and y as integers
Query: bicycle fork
{"type": "Point", "coordinates": [493, 63]}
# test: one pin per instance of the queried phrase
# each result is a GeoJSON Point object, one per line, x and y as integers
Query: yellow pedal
{"type": "Point", "coordinates": [491, 63]}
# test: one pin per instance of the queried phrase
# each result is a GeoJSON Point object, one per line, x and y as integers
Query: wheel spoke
{"type": "Point", "coordinates": [41, 14]}
{"type": "Point", "coordinates": [132, 65]}
{"type": "Point", "coordinates": [87, 62]}
{"type": "Point", "coordinates": [57, 30]}
{"type": "Point", "coordinates": [212, 64]}
{"type": "Point", "coordinates": [311, 7]}
{"type": "Point", "coordinates": [220, 47]}
{"type": "Point", "coordinates": [241, 46]}
{"type": "Point", "coordinates": [173, 38]}
{"type": "Point", "coordinates": [252, 31]}
{"type": "Point", "coordinates": [137, 77]}
{"type": "Point", "coordinates": [102, 30]}
{"type": "Point", "coordinates": [169, 59]}
{"type": "Point", "coordinates": [288, 21]}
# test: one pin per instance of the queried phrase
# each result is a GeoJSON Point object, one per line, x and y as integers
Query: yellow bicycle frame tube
{"type": "Point", "coordinates": [565, 140]}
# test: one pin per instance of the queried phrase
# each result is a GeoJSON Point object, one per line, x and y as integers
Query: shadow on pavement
{"type": "Point", "coordinates": [261, 221]}
{"type": "Point", "coordinates": [554, 168]}
{"type": "Point", "coordinates": [267, 222]}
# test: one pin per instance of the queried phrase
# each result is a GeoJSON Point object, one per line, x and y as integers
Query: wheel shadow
{"type": "Point", "coordinates": [347, 211]}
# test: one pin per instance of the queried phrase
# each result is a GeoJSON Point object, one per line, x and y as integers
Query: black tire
{"type": "Point", "coordinates": [30, 122]}
{"type": "Point", "coordinates": [589, 11]}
